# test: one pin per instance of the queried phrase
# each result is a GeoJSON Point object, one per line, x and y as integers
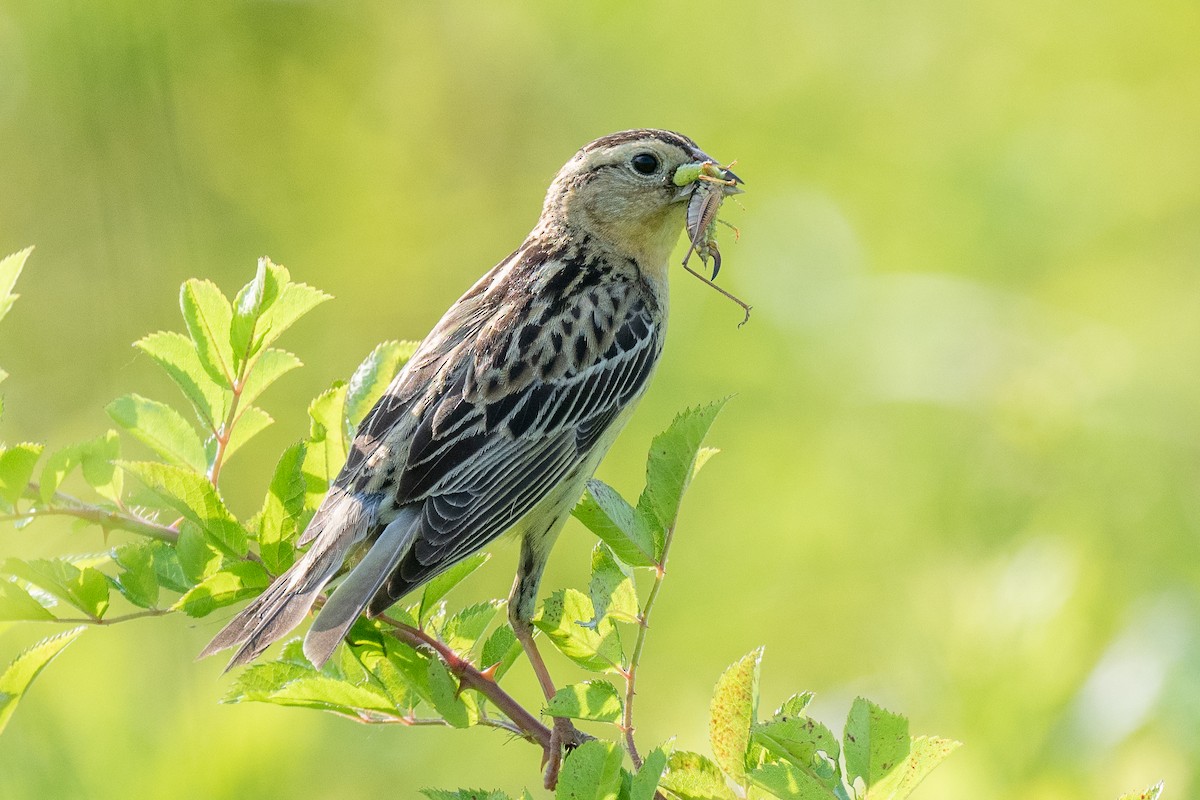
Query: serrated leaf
{"type": "Point", "coordinates": [326, 446]}
{"type": "Point", "coordinates": [670, 466]}
{"type": "Point", "coordinates": [794, 706]}
{"type": "Point", "coordinates": [253, 299]}
{"type": "Point", "coordinates": [875, 742]}
{"type": "Point", "coordinates": [196, 556]}
{"type": "Point", "coordinates": [233, 582]}
{"type": "Point", "coordinates": [1153, 793]}
{"type": "Point", "coordinates": [463, 629]}
{"type": "Point", "coordinates": [194, 497]}
{"type": "Point", "coordinates": [161, 428]}
{"type": "Point", "coordinates": [84, 588]}
{"type": "Point", "coordinates": [615, 522]}
{"type": "Point", "coordinates": [10, 270]}
{"type": "Point", "coordinates": [16, 468]}
{"type": "Point", "coordinates": [294, 301]}
{"type": "Point", "coordinates": [691, 776]}
{"type": "Point", "coordinates": [595, 700]}
{"type": "Point", "coordinates": [438, 587]}
{"type": "Point", "coordinates": [376, 650]}
{"type": "Point", "coordinates": [138, 580]}
{"type": "Point", "coordinates": [787, 782]}
{"type": "Point", "coordinates": [208, 316]}
{"type": "Point", "coordinates": [464, 794]}
{"type": "Point", "coordinates": [278, 521]}
{"type": "Point", "coordinates": [611, 588]}
{"type": "Point", "coordinates": [591, 771]}
{"type": "Point", "coordinates": [179, 358]}
{"type": "Point", "coordinates": [802, 741]}
{"type": "Point", "coordinates": [168, 570]}
{"type": "Point", "coordinates": [925, 753]}
{"type": "Point", "coordinates": [445, 698]}
{"type": "Point", "coordinates": [501, 650]}
{"type": "Point", "coordinates": [645, 782]}
{"type": "Point", "coordinates": [288, 683]}
{"type": "Point", "coordinates": [734, 709]}
{"type": "Point", "coordinates": [15, 680]}
{"type": "Point", "coordinates": [268, 367]}
{"type": "Point", "coordinates": [94, 458]}
{"type": "Point", "coordinates": [251, 421]}
{"type": "Point", "coordinates": [372, 377]}
{"type": "Point", "coordinates": [597, 649]}
{"type": "Point", "coordinates": [16, 604]}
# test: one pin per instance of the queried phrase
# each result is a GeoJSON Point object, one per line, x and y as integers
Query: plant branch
{"type": "Point", "coordinates": [524, 723]}
{"type": "Point", "coordinates": [104, 517]}
{"type": "Point", "coordinates": [149, 612]}
{"type": "Point", "coordinates": [660, 572]}
{"type": "Point", "coordinates": [225, 432]}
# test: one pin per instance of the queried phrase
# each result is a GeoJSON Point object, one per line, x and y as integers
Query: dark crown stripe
{"type": "Point", "coordinates": [622, 137]}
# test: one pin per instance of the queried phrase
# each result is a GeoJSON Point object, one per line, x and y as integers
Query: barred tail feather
{"type": "Point", "coordinates": [279, 609]}
{"type": "Point", "coordinates": [361, 585]}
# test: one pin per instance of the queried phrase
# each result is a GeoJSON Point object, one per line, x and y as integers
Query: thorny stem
{"type": "Point", "coordinates": [524, 724]}
{"type": "Point", "coordinates": [660, 572]}
{"type": "Point", "coordinates": [149, 612]}
{"type": "Point", "coordinates": [105, 518]}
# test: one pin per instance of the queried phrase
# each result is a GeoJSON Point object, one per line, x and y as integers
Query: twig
{"type": "Point", "coordinates": [149, 612]}
{"type": "Point", "coordinates": [105, 518]}
{"type": "Point", "coordinates": [660, 572]}
{"type": "Point", "coordinates": [524, 723]}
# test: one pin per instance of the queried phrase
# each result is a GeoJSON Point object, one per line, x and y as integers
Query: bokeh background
{"type": "Point", "coordinates": [960, 472]}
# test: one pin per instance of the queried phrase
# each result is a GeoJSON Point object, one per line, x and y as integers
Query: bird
{"type": "Point", "coordinates": [505, 409]}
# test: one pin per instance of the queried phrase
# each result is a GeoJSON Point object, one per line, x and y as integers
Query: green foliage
{"type": "Point", "coordinates": [423, 663]}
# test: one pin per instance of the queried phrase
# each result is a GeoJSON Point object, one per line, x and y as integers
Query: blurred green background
{"type": "Point", "coordinates": [960, 474]}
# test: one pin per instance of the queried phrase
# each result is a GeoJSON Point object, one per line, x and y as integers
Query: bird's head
{"type": "Point", "coordinates": [629, 192]}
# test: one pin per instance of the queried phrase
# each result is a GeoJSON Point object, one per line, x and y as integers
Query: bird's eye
{"type": "Point", "coordinates": [645, 163]}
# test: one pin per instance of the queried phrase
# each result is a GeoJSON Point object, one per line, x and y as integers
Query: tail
{"type": "Point", "coordinates": [361, 585]}
{"type": "Point", "coordinates": [342, 521]}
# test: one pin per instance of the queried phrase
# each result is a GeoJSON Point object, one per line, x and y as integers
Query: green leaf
{"type": "Point", "coordinates": [464, 794]}
{"type": "Point", "coordinates": [805, 743]}
{"type": "Point", "coordinates": [278, 522]}
{"type": "Point", "coordinates": [94, 458]}
{"type": "Point", "coordinates": [253, 299]}
{"type": "Point", "coordinates": [377, 651]}
{"type": "Point", "coordinates": [16, 468]}
{"type": "Point", "coordinates": [326, 447]}
{"type": "Point", "coordinates": [591, 771]}
{"type": "Point", "coordinates": [925, 753]}
{"type": "Point", "coordinates": [794, 706]}
{"type": "Point", "coordinates": [269, 366]}
{"type": "Point", "coordinates": [86, 589]}
{"type": "Point", "coordinates": [611, 588]}
{"type": "Point", "coordinates": [445, 698]}
{"type": "Point", "coordinates": [294, 301]}
{"type": "Point", "coordinates": [251, 421]}
{"type": "Point", "coordinates": [645, 782]}
{"type": "Point", "coordinates": [463, 629]}
{"type": "Point", "coordinates": [161, 428]}
{"type": "Point", "coordinates": [595, 700]}
{"type": "Point", "coordinates": [138, 581]}
{"type": "Point", "coordinates": [10, 270]}
{"type": "Point", "coordinates": [208, 316]}
{"type": "Point", "coordinates": [501, 649]}
{"type": "Point", "coordinates": [691, 776]}
{"type": "Point", "coordinates": [438, 587]}
{"type": "Point", "coordinates": [288, 683]}
{"type": "Point", "coordinates": [614, 521]}
{"type": "Point", "coordinates": [372, 377]}
{"type": "Point", "coordinates": [194, 497]}
{"type": "Point", "coordinates": [15, 680]}
{"type": "Point", "coordinates": [176, 354]}
{"type": "Point", "coordinates": [196, 556]}
{"type": "Point", "coordinates": [734, 709]}
{"type": "Point", "coordinates": [16, 604]}
{"type": "Point", "coordinates": [786, 781]}
{"type": "Point", "coordinates": [597, 649]}
{"type": "Point", "coordinates": [1152, 793]}
{"type": "Point", "coordinates": [235, 581]}
{"type": "Point", "coordinates": [875, 742]}
{"type": "Point", "coordinates": [670, 466]}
